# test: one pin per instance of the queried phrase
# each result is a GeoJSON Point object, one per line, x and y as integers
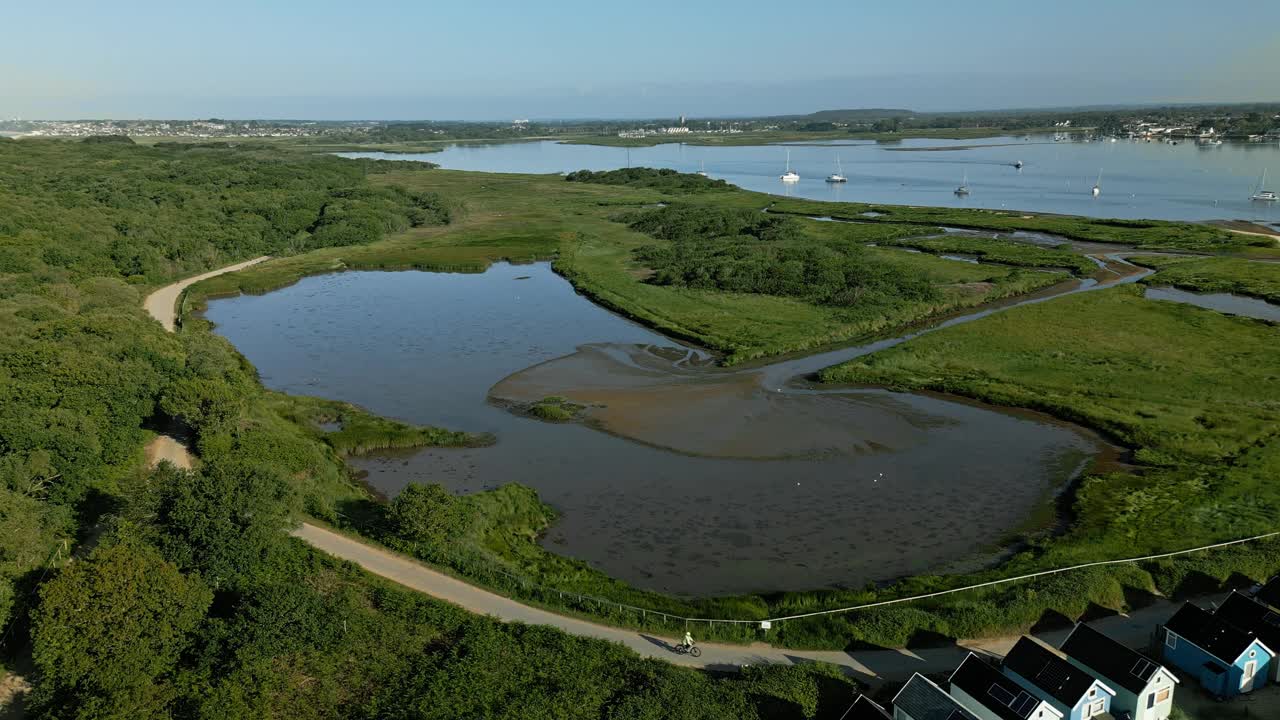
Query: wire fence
{"type": "Point", "coordinates": [470, 566]}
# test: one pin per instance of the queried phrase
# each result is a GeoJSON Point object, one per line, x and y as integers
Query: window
{"type": "Point", "coordinates": [1163, 695]}
{"type": "Point", "coordinates": [1151, 701]}
{"type": "Point", "coordinates": [1170, 639]}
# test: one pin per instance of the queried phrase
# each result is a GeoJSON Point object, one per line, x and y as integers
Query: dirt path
{"type": "Point", "coordinates": [872, 666]}
{"type": "Point", "coordinates": [162, 304]}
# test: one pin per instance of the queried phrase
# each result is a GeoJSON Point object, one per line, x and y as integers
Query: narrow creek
{"type": "Point", "coordinates": [689, 478]}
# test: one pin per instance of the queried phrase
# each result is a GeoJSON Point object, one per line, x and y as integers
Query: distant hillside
{"type": "Point", "coordinates": [859, 115]}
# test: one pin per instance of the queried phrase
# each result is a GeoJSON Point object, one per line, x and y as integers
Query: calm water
{"type": "Point", "coordinates": [903, 484]}
{"type": "Point", "coordinates": [1139, 179]}
{"type": "Point", "coordinates": [1222, 302]}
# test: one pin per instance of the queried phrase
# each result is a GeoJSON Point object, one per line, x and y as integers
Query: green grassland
{"type": "Point", "coordinates": [1005, 252]}
{"type": "Point", "coordinates": [1221, 275]}
{"type": "Point", "coordinates": [524, 217]}
{"type": "Point", "coordinates": [1153, 234]}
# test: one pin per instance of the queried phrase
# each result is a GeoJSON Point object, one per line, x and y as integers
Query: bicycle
{"type": "Point", "coordinates": [690, 650]}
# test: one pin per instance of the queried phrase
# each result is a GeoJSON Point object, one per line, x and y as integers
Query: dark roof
{"type": "Point", "coordinates": [923, 700]}
{"type": "Point", "coordinates": [1270, 595]}
{"type": "Point", "coordinates": [864, 708]}
{"type": "Point", "coordinates": [1049, 671]}
{"type": "Point", "coordinates": [1117, 664]}
{"type": "Point", "coordinates": [1252, 616]}
{"type": "Point", "coordinates": [1212, 634]}
{"type": "Point", "coordinates": [996, 691]}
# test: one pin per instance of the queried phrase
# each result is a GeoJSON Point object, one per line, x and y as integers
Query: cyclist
{"type": "Point", "coordinates": [688, 640]}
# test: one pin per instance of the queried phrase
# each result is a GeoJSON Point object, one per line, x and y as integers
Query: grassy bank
{"type": "Point", "coordinates": [1154, 234]}
{"type": "Point", "coordinates": [1219, 275]}
{"type": "Point", "coordinates": [1004, 252]}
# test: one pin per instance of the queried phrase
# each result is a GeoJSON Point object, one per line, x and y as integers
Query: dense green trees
{"type": "Point", "coordinates": [109, 631]}
{"type": "Point", "coordinates": [657, 179]}
{"type": "Point", "coordinates": [427, 514]}
{"type": "Point", "coordinates": [751, 252]}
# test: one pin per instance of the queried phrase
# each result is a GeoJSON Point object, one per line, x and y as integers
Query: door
{"type": "Point", "coordinates": [1095, 708]}
{"type": "Point", "coordinates": [1246, 680]}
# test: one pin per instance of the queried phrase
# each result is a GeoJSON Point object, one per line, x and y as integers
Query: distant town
{"type": "Point", "coordinates": [1255, 122]}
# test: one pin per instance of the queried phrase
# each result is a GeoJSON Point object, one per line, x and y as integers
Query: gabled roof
{"type": "Point", "coordinates": [998, 693]}
{"type": "Point", "coordinates": [1116, 663]}
{"type": "Point", "coordinates": [864, 708]}
{"type": "Point", "coordinates": [1252, 616]}
{"type": "Point", "coordinates": [1214, 635]}
{"type": "Point", "coordinates": [1050, 672]}
{"type": "Point", "coordinates": [1270, 593]}
{"type": "Point", "coordinates": [922, 700]}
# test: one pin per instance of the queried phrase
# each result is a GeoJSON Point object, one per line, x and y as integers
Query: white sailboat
{"type": "Point", "coordinates": [964, 185]}
{"type": "Point", "coordinates": [1263, 194]}
{"type": "Point", "coordinates": [790, 175]}
{"type": "Point", "coordinates": [1097, 186]}
{"type": "Point", "coordinates": [702, 168]}
{"type": "Point", "coordinates": [838, 175]}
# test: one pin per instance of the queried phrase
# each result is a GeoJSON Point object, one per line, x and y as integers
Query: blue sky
{"type": "Point", "coordinates": [384, 59]}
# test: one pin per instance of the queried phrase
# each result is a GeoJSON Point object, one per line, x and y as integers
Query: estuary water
{"type": "Point", "coordinates": [1138, 179]}
{"type": "Point", "coordinates": [840, 488]}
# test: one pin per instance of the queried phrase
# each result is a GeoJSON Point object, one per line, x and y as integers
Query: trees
{"type": "Point", "coordinates": [110, 629]}
{"type": "Point", "coordinates": [427, 514]}
{"type": "Point", "coordinates": [222, 520]}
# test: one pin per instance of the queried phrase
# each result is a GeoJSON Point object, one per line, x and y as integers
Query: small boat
{"type": "Point", "coordinates": [1262, 194]}
{"type": "Point", "coordinates": [838, 175]}
{"type": "Point", "coordinates": [1018, 164]}
{"type": "Point", "coordinates": [964, 186]}
{"type": "Point", "coordinates": [702, 168]}
{"type": "Point", "coordinates": [1097, 186]}
{"type": "Point", "coordinates": [790, 175]}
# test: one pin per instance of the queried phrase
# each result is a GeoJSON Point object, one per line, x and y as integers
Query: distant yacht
{"type": "Point", "coordinates": [1264, 195]}
{"type": "Point", "coordinates": [790, 175]}
{"type": "Point", "coordinates": [702, 168]}
{"type": "Point", "coordinates": [838, 175]}
{"type": "Point", "coordinates": [1097, 186]}
{"type": "Point", "coordinates": [964, 186]}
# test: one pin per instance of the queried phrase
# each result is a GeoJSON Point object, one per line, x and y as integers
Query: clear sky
{"type": "Point", "coordinates": [397, 59]}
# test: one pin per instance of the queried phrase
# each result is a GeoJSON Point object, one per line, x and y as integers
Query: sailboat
{"type": "Point", "coordinates": [964, 185]}
{"type": "Point", "coordinates": [790, 175]}
{"type": "Point", "coordinates": [1097, 186]}
{"type": "Point", "coordinates": [1264, 195]}
{"type": "Point", "coordinates": [838, 175]}
{"type": "Point", "coordinates": [702, 168]}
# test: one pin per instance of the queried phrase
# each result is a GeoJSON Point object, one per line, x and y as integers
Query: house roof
{"type": "Point", "coordinates": [1050, 672]}
{"type": "Point", "coordinates": [1116, 663]}
{"type": "Point", "coordinates": [1252, 616]}
{"type": "Point", "coordinates": [922, 700]}
{"type": "Point", "coordinates": [1214, 635]}
{"type": "Point", "coordinates": [864, 708]}
{"type": "Point", "coordinates": [998, 693]}
{"type": "Point", "coordinates": [1270, 593]}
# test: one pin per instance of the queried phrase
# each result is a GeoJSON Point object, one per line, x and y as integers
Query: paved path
{"type": "Point", "coordinates": [162, 304]}
{"type": "Point", "coordinates": [871, 666]}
